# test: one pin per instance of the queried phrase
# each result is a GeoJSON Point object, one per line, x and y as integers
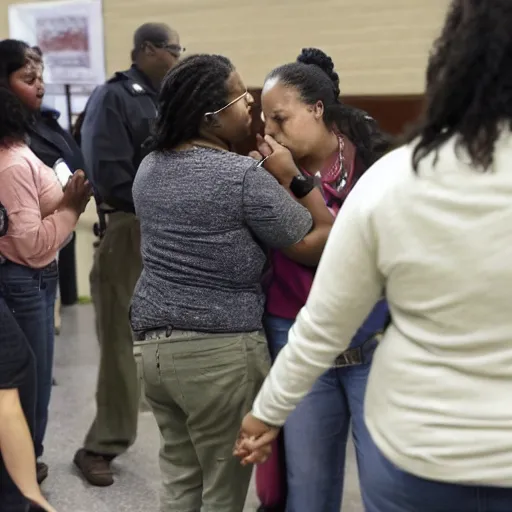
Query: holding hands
{"type": "Point", "coordinates": [254, 444]}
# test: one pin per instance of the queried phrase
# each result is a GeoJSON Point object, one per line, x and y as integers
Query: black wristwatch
{"type": "Point", "coordinates": [301, 185]}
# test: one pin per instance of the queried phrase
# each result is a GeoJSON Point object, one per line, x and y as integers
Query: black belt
{"type": "Point", "coordinates": [351, 357]}
{"type": "Point", "coordinates": [155, 335]}
{"type": "Point", "coordinates": [357, 355]}
{"type": "Point", "coordinates": [152, 334]}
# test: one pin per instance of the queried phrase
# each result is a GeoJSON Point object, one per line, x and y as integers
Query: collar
{"type": "Point", "coordinates": [138, 76]}
{"type": "Point", "coordinates": [49, 112]}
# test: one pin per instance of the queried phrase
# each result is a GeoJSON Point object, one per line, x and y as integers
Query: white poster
{"type": "Point", "coordinates": [70, 35]}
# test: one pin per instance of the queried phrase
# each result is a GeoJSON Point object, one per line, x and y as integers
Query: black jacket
{"type": "Point", "coordinates": [49, 141]}
{"type": "Point", "coordinates": [117, 122]}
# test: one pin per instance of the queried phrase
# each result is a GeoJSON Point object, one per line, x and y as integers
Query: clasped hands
{"type": "Point", "coordinates": [254, 444]}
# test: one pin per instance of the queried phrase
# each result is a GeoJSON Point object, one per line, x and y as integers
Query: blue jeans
{"type": "Point", "coordinates": [30, 294]}
{"type": "Point", "coordinates": [390, 489]}
{"type": "Point", "coordinates": [316, 433]}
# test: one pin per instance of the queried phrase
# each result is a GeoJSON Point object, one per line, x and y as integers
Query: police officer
{"type": "Point", "coordinates": [116, 123]}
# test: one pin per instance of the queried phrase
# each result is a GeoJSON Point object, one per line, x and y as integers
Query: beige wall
{"type": "Point", "coordinates": [379, 46]}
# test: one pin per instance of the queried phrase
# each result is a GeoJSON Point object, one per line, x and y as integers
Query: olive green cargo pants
{"type": "Point", "coordinates": [200, 386]}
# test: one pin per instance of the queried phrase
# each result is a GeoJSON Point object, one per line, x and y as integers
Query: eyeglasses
{"type": "Point", "coordinates": [246, 93]}
{"type": "Point", "coordinates": [174, 49]}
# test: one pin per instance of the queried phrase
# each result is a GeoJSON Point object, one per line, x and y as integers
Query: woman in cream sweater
{"type": "Point", "coordinates": [429, 225]}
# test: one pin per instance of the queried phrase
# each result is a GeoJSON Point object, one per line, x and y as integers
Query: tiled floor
{"type": "Point", "coordinates": [137, 474]}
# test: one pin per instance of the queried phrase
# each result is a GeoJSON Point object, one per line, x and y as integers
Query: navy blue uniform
{"type": "Point", "coordinates": [116, 124]}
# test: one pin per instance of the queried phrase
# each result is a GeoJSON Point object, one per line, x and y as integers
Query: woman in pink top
{"type": "Point", "coordinates": [334, 143]}
{"type": "Point", "coordinates": [41, 218]}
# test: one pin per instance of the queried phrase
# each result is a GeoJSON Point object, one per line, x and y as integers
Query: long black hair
{"type": "Point", "coordinates": [469, 82]}
{"type": "Point", "coordinates": [314, 77]}
{"type": "Point", "coordinates": [196, 86]}
{"type": "Point", "coordinates": [14, 54]}
{"type": "Point", "coordinates": [14, 117]}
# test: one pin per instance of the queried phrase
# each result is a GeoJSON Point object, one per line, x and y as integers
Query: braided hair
{"type": "Point", "coordinates": [469, 82]}
{"type": "Point", "coordinates": [196, 86]}
{"type": "Point", "coordinates": [314, 77]}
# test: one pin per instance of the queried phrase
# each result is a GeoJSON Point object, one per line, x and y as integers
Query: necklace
{"type": "Point", "coordinates": [207, 145]}
{"type": "Point", "coordinates": [337, 174]}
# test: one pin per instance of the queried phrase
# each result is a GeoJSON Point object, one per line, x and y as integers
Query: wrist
{"type": "Point", "coordinates": [270, 426]}
{"type": "Point", "coordinates": [300, 186]}
{"type": "Point", "coordinates": [288, 177]}
{"type": "Point", "coordinates": [68, 209]}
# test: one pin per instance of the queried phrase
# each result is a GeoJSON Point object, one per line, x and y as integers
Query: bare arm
{"type": "Point", "coordinates": [17, 448]}
{"type": "Point", "coordinates": [279, 162]}
{"type": "Point", "coordinates": [309, 250]}
{"type": "Point", "coordinates": [341, 298]}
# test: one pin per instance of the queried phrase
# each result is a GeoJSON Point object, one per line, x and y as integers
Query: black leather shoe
{"type": "Point", "coordinates": [42, 472]}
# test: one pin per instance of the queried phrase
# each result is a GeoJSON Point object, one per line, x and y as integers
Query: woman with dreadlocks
{"type": "Point", "coordinates": [335, 144]}
{"type": "Point", "coordinates": [207, 216]}
{"type": "Point", "coordinates": [429, 225]}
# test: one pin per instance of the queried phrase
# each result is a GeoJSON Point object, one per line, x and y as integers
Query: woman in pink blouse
{"type": "Point", "coordinates": [41, 217]}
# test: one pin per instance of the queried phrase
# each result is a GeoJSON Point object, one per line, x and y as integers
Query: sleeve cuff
{"type": "Point", "coordinates": [268, 415]}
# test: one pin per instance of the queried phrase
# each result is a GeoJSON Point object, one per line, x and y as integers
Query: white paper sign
{"type": "Point", "coordinates": [70, 35]}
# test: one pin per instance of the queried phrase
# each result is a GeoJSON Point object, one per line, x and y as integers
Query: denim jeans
{"type": "Point", "coordinates": [389, 489]}
{"type": "Point", "coordinates": [30, 294]}
{"type": "Point", "coordinates": [316, 433]}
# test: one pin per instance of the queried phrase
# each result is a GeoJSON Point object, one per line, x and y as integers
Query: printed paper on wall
{"type": "Point", "coordinates": [70, 35]}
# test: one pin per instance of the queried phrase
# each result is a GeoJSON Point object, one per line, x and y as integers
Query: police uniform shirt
{"type": "Point", "coordinates": [117, 122]}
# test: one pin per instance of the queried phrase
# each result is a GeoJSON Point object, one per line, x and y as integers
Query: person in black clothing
{"type": "Point", "coordinates": [116, 123]}
{"type": "Point", "coordinates": [18, 482]}
{"type": "Point", "coordinates": [50, 142]}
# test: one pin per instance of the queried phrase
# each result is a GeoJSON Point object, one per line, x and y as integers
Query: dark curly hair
{"type": "Point", "coordinates": [14, 55]}
{"type": "Point", "coordinates": [196, 86]}
{"type": "Point", "coordinates": [469, 82]}
{"type": "Point", "coordinates": [314, 77]}
{"type": "Point", "coordinates": [14, 117]}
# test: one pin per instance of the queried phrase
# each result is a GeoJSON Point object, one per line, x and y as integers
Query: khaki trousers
{"type": "Point", "coordinates": [200, 386]}
{"type": "Point", "coordinates": [116, 269]}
